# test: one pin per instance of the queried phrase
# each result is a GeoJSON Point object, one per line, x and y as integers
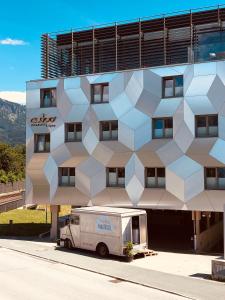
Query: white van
{"type": "Point", "coordinates": [105, 230]}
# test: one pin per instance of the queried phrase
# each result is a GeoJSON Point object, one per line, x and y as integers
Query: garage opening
{"type": "Point", "coordinates": [170, 230]}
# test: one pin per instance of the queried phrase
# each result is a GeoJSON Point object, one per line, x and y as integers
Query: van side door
{"type": "Point", "coordinates": [75, 229]}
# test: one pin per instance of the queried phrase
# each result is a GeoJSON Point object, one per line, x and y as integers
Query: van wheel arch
{"type": "Point", "coordinates": [102, 249]}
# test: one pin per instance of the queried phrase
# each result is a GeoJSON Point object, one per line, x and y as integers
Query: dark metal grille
{"type": "Point", "coordinates": [163, 40]}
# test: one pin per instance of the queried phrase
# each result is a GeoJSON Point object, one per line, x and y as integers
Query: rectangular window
{"type": "Point", "coordinates": [108, 130]}
{"type": "Point", "coordinates": [215, 178]}
{"type": "Point", "coordinates": [66, 176]}
{"type": "Point", "coordinates": [42, 142]}
{"type": "Point", "coordinates": [155, 178]}
{"type": "Point", "coordinates": [172, 87]}
{"type": "Point", "coordinates": [206, 126]}
{"type": "Point", "coordinates": [73, 132]}
{"type": "Point", "coordinates": [48, 97]}
{"type": "Point", "coordinates": [162, 128]}
{"type": "Point", "coordinates": [115, 177]}
{"type": "Point", "coordinates": [100, 93]}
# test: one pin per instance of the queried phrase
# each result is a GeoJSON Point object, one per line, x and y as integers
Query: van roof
{"type": "Point", "coordinates": [109, 210]}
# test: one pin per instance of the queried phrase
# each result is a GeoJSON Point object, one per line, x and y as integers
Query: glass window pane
{"type": "Point", "coordinates": [201, 121]}
{"type": "Point", "coordinates": [78, 127]}
{"type": "Point", "coordinates": [201, 131]}
{"type": "Point", "coordinates": [179, 86]}
{"type": "Point", "coordinates": [112, 180]}
{"type": "Point", "coordinates": [150, 172]}
{"type": "Point", "coordinates": [72, 180]}
{"type": "Point", "coordinates": [40, 143]}
{"type": "Point", "coordinates": [97, 93]}
{"type": "Point", "coordinates": [213, 125]}
{"type": "Point", "coordinates": [213, 120]}
{"type": "Point", "coordinates": [72, 171]}
{"type": "Point", "coordinates": [213, 131]}
{"type": "Point", "coordinates": [105, 93]}
{"type": "Point", "coordinates": [78, 136]}
{"type": "Point", "coordinates": [114, 130]}
{"type": "Point", "coordinates": [121, 172]}
{"type": "Point", "coordinates": [161, 182]}
{"type": "Point", "coordinates": [168, 133]}
{"type": "Point", "coordinates": [105, 130]}
{"type": "Point", "coordinates": [53, 97]}
{"type": "Point", "coordinates": [221, 172]}
{"type": "Point", "coordinates": [47, 138]}
{"type": "Point", "coordinates": [158, 128]}
{"type": "Point", "coordinates": [105, 126]}
{"type": "Point", "coordinates": [221, 183]}
{"type": "Point", "coordinates": [168, 87]}
{"type": "Point", "coordinates": [64, 171]}
{"type": "Point", "coordinates": [211, 183]}
{"type": "Point", "coordinates": [121, 181]}
{"type": "Point", "coordinates": [70, 127]}
{"type": "Point", "coordinates": [46, 98]}
{"type": "Point", "coordinates": [160, 172]}
{"type": "Point", "coordinates": [71, 136]}
{"type": "Point", "coordinates": [168, 123]}
{"type": "Point", "coordinates": [179, 81]}
{"type": "Point", "coordinates": [151, 182]}
{"type": "Point", "coordinates": [210, 172]}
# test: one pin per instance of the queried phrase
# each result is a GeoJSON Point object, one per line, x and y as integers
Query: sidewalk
{"type": "Point", "coordinates": [184, 286]}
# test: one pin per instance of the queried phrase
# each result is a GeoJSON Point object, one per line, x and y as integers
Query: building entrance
{"type": "Point", "coordinates": [170, 230]}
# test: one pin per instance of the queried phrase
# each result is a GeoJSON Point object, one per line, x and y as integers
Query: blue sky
{"type": "Point", "coordinates": [23, 22]}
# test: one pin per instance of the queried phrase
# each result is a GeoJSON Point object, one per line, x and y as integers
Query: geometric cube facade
{"type": "Point", "coordinates": [134, 100]}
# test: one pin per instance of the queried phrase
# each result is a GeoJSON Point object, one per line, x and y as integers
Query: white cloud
{"type": "Point", "coordinates": [14, 96]}
{"type": "Point", "coordinates": [12, 42]}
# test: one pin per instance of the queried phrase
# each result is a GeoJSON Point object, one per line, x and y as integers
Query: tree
{"type": "Point", "coordinates": [12, 162]}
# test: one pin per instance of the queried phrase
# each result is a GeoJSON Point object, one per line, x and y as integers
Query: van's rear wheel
{"type": "Point", "coordinates": [68, 244]}
{"type": "Point", "coordinates": [102, 250]}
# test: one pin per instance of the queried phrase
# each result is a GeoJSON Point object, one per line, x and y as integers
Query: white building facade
{"type": "Point", "coordinates": [151, 138]}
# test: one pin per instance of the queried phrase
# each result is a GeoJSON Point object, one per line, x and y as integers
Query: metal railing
{"type": "Point", "coordinates": [11, 187]}
{"type": "Point", "coordinates": [173, 38]}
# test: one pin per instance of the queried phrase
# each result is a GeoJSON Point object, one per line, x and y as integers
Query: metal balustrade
{"type": "Point", "coordinates": [176, 38]}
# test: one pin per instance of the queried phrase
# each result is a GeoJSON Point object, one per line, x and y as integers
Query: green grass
{"type": "Point", "coordinates": [30, 215]}
{"type": "Point", "coordinates": [28, 222]}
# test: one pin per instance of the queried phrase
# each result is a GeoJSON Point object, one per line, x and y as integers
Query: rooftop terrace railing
{"type": "Point", "coordinates": [181, 37]}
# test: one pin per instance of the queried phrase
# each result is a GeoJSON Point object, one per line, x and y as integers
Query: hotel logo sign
{"type": "Point", "coordinates": [43, 121]}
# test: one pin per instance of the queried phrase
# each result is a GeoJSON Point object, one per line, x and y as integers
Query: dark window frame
{"type": "Point", "coordinates": [102, 86]}
{"type": "Point", "coordinates": [164, 79]}
{"type": "Point", "coordinates": [36, 137]}
{"type": "Point", "coordinates": [217, 179]}
{"type": "Point", "coordinates": [42, 97]}
{"type": "Point", "coordinates": [60, 169]}
{"type": "Point", "coordinates": [156, 178]}
{"type": "Point", "coordinates": [153, 128]}
{"type": "Point", "coordinates": [207, 126]}
{"type": "Point", "coordinates": [75, 124]}
{"type": "Point", "coordinates": [117, 171]}
{"type": "Point", "coordinates": [110, 130]}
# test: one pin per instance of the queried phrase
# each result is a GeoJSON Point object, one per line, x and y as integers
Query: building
{"type": "Point", "coordinates": [133, 115]}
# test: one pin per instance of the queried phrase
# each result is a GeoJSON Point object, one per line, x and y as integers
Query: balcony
{"type": "Point", "coordinates": [177, 38]}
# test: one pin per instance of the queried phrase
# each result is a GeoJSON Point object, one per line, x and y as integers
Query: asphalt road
{"type": "Point", "coordinates": [24, 277]}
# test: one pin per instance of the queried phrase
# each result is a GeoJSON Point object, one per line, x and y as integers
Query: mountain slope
{"type": "Point", "coordinates": [12, 122]}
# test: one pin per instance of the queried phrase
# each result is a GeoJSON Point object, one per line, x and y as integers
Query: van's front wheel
{"type": "Point", "coordinates": [68, 244]}
{"type": "Point", "coordinates": [102, 250]}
